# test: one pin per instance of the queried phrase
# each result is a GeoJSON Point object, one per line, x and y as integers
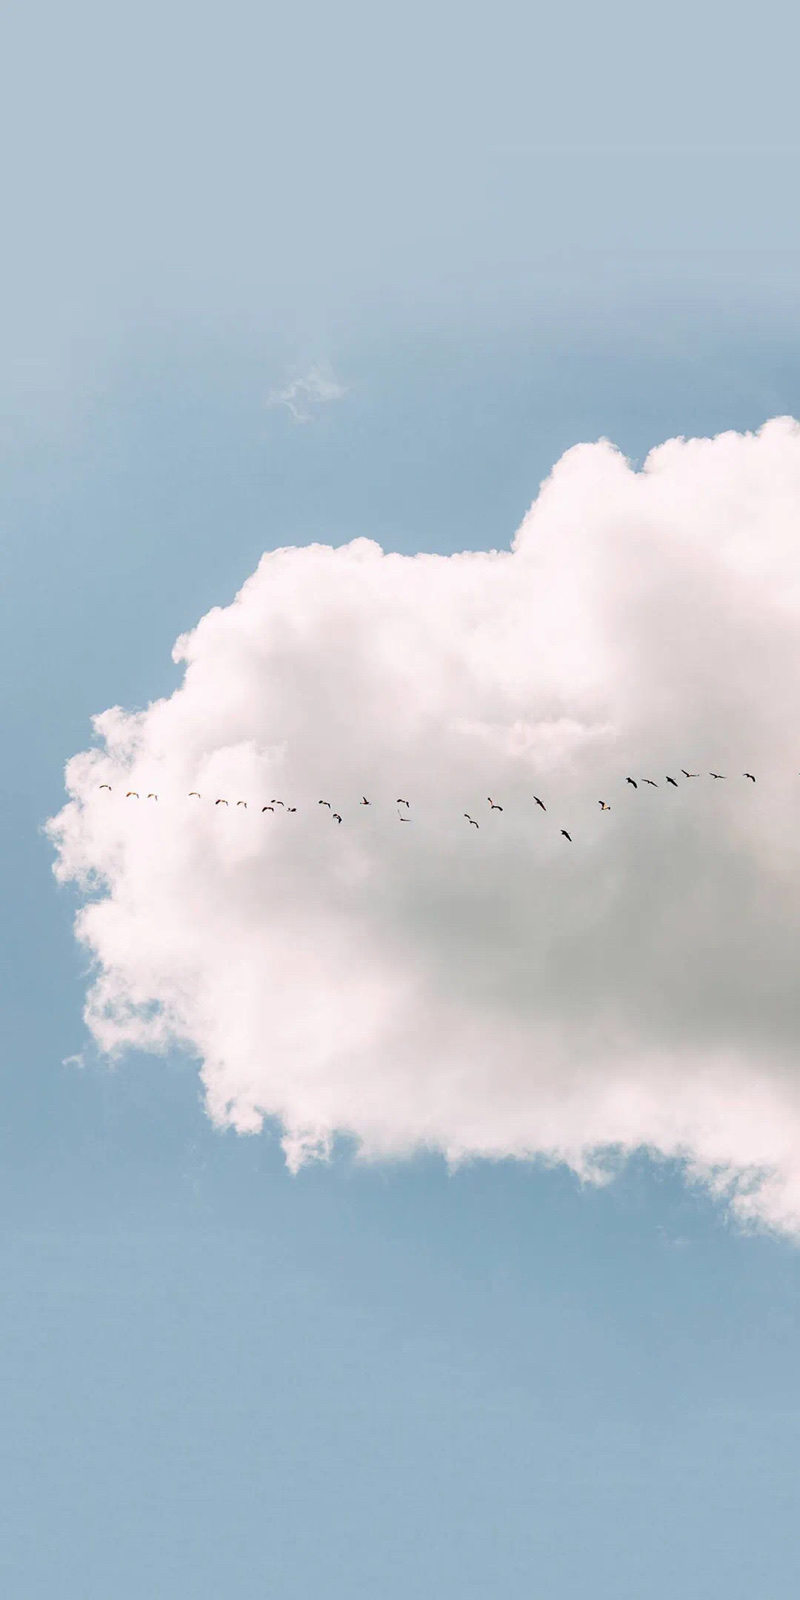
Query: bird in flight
{"type": "Point", "coordinates": [195, 792]}
{"type": "Point", "coordinates": [632, 782]}
{"type": "Point", "coordinates": [471, 820]}
{"type": "Point", "coordinates": [277, 802]}
{"type": "Point", "coordinates": [324, 803]}
{"type": "Point", "coordinates": [651, 781]}
{"type": "Point", "coordinates": [266, 808]}
{"type": "Point", "coordinates": [672, 781]}
{"type": "Point", "coordinates": [689, 774]}
{"type": "Point", "coordinates": [336, 817]}
{"type": "Point", "coordinates": [364, 801]}
{"type": "Point", "coordinates": [566, 835]}
{"type": "Point", "coordinates": [220, 802]}
{"type": "Point", "coordinates": [603, 806]}
{"type": "Point", "coordinates": [290, 808]}
{"type": "Point", "coordinates": [402, 817]}
{"type": "Point", "coordinates": [131, 795]}
{"type": "Point", "coordinates": [540, 802]}
{"type": "Point", "coordinates": [105, 786]}
{"type": "Point", "coordinates": [404, 803]}
{"type": "Point", "coordinates": [749, 775]}
{"type": "Point", "coordinates": [716, 774]}
{"type": "Point", "coordinates": [242, 803]}
{"type": "Point", "coordinates": [493, 805]}
{"type": "Point", "coordinates": [152, 797]}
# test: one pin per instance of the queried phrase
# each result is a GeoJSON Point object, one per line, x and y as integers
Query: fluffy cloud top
{"type": "Point", "coordinates": [494, 991]}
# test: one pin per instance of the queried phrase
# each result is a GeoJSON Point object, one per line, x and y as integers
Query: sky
{"type": "Point", "coordinates": [327, 1294]}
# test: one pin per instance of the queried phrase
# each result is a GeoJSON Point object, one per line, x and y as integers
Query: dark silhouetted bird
{"type": "Point", "coordinates": [242, 803]}
{"type": "Point", "coordinates": [194, 792]}
{"type": "Point", "coordinates": [749, 775]}
{"type": "Point", "coordinates": [717, 774]}
{"type": "Point", "coordinates": [364, 801]}
{"type": "Point", "coordinates": [603, 806]}
{"type": "Point", "coordinates": [689, 774]}
{"type": "Point", "coordinates": [492, 804]}
{"type": "Point", "coordinates": [277, 802]}
{"type": "Point", "coordinates": [290, 808]}
{"type": "Point", "coordinates": [266, 808]}
{"type": "Point", "coordinates": [404, 803]}
{"type": "Point", "coordinates": [651, 781]}
{"type": "Point", "coordinates": [152, 797]}
{"type": "Point", "coordinates": [672, 781]}
{"type": "Point", "coordinates": [105, 786]}
{"type": "Point", "coordinates": [471, 820]}
{"type": "Point", "coordinates": [632, 782]}
{"type": "Point", "coordinates": [566, 835]}
{"type": "Point", "coordinates": [220, 802]}
{"type": "Point", "coordinates": [336, 817]}
{"type": "Point", "coordinates": [131, 795]}
{"type": "Point", "coordinates": [540, 802]}
{"type": "Point", "coordinates": [324, 803]}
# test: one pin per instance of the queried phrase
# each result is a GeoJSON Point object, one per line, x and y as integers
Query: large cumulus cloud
{"type": "Point", "coordinates": [493, 991]}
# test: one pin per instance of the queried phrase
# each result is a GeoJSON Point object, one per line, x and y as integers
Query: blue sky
{"type": "Point", "coordinates": [503, 234]}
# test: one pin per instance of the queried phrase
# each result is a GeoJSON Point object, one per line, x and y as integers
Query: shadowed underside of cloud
{"type": "Point", "coordinates": [494, 991]}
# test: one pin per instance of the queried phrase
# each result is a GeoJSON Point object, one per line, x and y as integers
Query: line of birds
{"type": "Point", "coordinates": [133, 794]}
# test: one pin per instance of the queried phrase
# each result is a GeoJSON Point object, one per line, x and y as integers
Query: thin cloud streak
{"type": "Point", "coordinates": [303, 397]}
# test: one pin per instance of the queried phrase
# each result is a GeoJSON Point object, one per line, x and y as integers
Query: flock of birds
{"type": "Point", "coordinates": [404, 816]}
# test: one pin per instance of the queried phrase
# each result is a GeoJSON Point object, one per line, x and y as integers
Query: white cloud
{"type": "Point", "coordinates": [491, 991]}
{"type": "Point", "coordinates": [303, 396]}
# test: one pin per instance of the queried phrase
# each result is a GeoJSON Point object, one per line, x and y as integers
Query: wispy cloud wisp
{"type": "Point", "coordinates": [304, 396]}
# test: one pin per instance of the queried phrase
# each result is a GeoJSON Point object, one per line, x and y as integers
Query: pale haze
{"type": "Point", "coordinates": [502, 991]}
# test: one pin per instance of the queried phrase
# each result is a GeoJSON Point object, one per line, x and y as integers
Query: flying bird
{"type": "Point", "coordinates": [403, 803]}
{"type": "Point", "coordinates": [603, 806]}
{"type": "Point", "coordinates": [131, 795]}
{"type": "Point", "coordinates": [672, 781]}
{"type": "Point", "coordinates": [364, 801]}
{"type": "Point", "coordinates": [105, 786]}
{"type": "Point", "coordinates": [220, 802]}
{"type": "Point", "coordinates": [195, 792]}
{"type": "Point", "coordinates": [689, 774]}
{"type": "Point", "coordinates": [402, 818]}
{"type": "Point", "coordinates": [324, 803]}
{"type": "Point", "coordinates": [290, 808]}
{"type": "Point", "coordinates": [716, 774]}
{"type": "Point", "coordinates": [336, 817]}
{"type": "Point", "coordinates": [152, 797]}
{"type": "Point", "coordinates": [277, 802]}
{"type": "Point", "coordinates": [242, 803]}
{"type": "Point", "coordinates": [632, 782]}
{"type": "Point", "coordinates": [749, 775]}
{"type": "Point", "coordinates": [471, 820]}
{"type": "Point", "coordinates": [266, 808]}
{"type": "Point", "coordinates": [566, 835]}
{"type": "Point", "coordinates": [493, 805]}
{"type": "Point", "coordinates": [651, 781]}
{"type": "Point", "coordinates": [540, 802]}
